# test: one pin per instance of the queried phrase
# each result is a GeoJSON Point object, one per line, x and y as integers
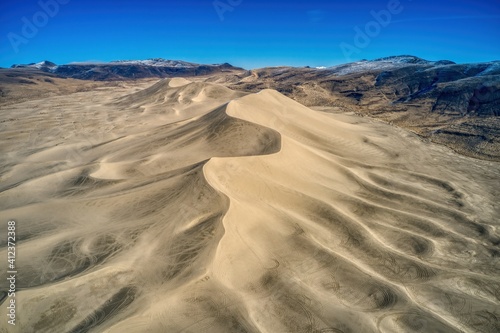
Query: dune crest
{"type": "Point", "coordinates": [186, 207]}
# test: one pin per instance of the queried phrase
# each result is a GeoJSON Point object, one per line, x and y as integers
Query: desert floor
{"type": "Point", "coordinates": [182, 206]}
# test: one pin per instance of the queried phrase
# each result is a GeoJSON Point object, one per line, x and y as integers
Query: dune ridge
{"type": "Point", "coordinates": [186, 207]}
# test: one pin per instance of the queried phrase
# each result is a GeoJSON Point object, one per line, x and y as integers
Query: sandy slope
{"type": "Point", "coordinates": [187, 207]}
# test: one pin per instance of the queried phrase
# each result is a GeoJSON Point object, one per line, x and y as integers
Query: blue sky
{"type": "Point", "coordinates": [248, 33]}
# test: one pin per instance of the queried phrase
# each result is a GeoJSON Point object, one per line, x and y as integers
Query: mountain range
{"type": "Point", "coordinates": [453, 104]}
{"type": "Point", "coordinates": [127, 69]}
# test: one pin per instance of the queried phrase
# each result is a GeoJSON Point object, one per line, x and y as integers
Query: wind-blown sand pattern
{"type": "Point", "coordinates": [188, 207]}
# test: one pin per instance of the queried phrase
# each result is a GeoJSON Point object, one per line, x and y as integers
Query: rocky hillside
{"type": "Point", "coordinates": [454, 104]}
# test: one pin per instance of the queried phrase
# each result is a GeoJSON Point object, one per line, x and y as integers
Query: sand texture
{"type": "Point", "coordinates": [183, 206]}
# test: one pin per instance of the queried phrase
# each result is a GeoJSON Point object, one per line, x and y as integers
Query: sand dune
{"type": "Point", "coordinates": [187, 207]}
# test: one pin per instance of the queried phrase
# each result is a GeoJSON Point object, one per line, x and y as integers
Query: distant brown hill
{"type": "Point", "coordinates": [38, 80]}
{"type": "Point", "coordinates": [129, 69]}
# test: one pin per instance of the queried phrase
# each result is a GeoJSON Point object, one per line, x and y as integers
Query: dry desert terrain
{"type": "Point", "coordinates": [184, 206]}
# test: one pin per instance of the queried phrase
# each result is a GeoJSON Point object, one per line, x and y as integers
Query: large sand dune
{"type": "Point", "coordinates": [187, 207]}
